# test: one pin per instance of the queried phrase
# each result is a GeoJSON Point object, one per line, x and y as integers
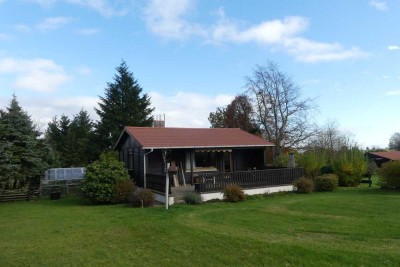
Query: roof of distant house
{"type": "Point", "coordinates": [163, 138]}
{"type": "Point", "coordinates": [391, 155]}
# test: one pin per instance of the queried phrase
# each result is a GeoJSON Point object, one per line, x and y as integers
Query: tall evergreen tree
{"type": "Point", "coordinates": [73, 140]}
{"type": "Point", "coordinates": [5, 162]}
{"type": "Point", "coordinates": [79, 147]}
{"type": "Point", "coordinates": [21, 146]}
{"type": "Point", "coordinates": [123, 104]}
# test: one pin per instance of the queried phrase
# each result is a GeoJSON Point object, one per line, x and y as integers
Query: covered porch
{"type": "Point", "coordinates": [192, 162]}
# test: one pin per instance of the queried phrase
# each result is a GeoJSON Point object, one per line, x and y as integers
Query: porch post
{"type": "Point", "coordinates": [191, 165]}
{"type": "Point", "coordinates": [230, 161]}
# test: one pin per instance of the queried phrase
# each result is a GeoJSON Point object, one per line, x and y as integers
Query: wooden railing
{"type": "Point", "coordinates": [213, 182]}
{"type": "Point", "coordinates": [156, 182]}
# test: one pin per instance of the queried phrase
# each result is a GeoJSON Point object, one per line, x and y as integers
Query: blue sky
{"type": "Point", "coordinates": [192, 56]}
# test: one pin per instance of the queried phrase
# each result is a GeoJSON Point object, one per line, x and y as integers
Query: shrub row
{"type": "Point", "coordinates": [325, 182]}
{"type": "Point", "coordinates": [389, 175]}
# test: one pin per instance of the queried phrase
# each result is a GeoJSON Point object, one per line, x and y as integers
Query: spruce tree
{"type": "Point", "coordinates": [73, 141]}
{"type": "Point", "coordinates": [123, 105]}
{"type": "Point", "coordinates": [21, 146]}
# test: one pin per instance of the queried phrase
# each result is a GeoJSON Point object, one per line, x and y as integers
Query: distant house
{"type": "Point", "coordinates": [383, 157]}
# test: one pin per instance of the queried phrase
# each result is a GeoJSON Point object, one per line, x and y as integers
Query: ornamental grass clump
{"type": "Point", "coordinates": [234, 193]}
{"type": "Point", "coordinates": [326, 182]}
{"type": "Point", "coordinates": [304, 185]}
{"type": "Point", "coordinates": [389, 175]}
{"type": "Point", "coordinates": [142, 198]}
{"type": "Point", "coordinates": [122, 191]}
{"type": "Point", "coordinates": [192, 198]}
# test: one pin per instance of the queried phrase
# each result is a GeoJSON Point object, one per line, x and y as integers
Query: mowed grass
{"type": "Point", "coordinates": [350, 227]}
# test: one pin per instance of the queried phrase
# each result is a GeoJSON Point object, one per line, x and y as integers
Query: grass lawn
{"type": "Point", "coordinates": [350, 227]}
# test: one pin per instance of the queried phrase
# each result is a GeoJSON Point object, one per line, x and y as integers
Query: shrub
{"type": "Point", "coordinates": [304, 185]}
{"type": "Point", "coordinates": [192, 198]}
{"type": "Point", "coordinates": [100, 178]}
{"type": "Point", "coordinates": [234, 193]}
{"type": "Point", "coordinates": [389, 175]}
{"type": "Point", "coordinates": [312, 161]}
{"type": "Point", "coordinates": [142, 198]}
{"type": "Point", "coordinates": [350, 166]}
{"type": "Point", "coordinates": [122, 191]}
{"type": "Point", "coordinates": [326, 182]}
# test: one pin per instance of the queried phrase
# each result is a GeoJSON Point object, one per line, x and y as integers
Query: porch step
{"type": "Point", "coordinates": [179, 192]}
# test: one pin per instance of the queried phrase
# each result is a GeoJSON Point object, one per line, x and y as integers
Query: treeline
{"type": "Point", "coordinates": [25, 152]}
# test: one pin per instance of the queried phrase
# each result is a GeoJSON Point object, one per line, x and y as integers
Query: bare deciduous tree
{"type": "Point", "coordinates": [280, 110]}
{"type": "Point", "coordinates": [331, 140]}
{"type": "Point", "coordinates": [394, 141]}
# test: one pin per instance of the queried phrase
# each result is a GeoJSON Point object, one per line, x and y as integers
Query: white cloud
{"type": "Point", "coordinates": [44, 3]}
{"type": "Point", "coordinates": [23, 28]}
{"type": "Point", "coordinates": [379, 5]}
{"type": "Point", "coordinates": [106, 8]}
{"type": "Point", "coordinates": [393, 92]}
{"type": "Point", "coordinates": [53, 23]}
{"type": "Point", "coordinates": [88, 31]}
{"type": "Point", "coordinates": [40, 75]}
{"type": "Point", "coordinates": [185, 109]}
{"type": "Point", "coordinates": [4, 37]}
{"type": "Point", "coordinates": [393, 47]}
{"type": "Point", "coordinates": [166, 18]}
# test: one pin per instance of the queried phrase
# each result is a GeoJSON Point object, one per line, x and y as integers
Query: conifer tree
{"type": "Point", "coordinates": [124, 104]}
{"type": "Point", "coordinates": [20, 140]}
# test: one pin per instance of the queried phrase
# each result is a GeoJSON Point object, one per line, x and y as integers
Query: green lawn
{"type": "Point", "coordinates": [350, 227]}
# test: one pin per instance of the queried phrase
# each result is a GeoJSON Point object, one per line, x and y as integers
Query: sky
{"type": "Point", "coordinates": [192, 56]}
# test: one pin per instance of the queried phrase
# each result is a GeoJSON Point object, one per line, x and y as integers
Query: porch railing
{"type": "Point", "coordinates": [213, 182]}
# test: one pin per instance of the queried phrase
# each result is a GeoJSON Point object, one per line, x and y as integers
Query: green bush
{"type": "Point", "coordinates": [304, 185]}
{"type": "Point", "coordinates": [192, 198]}
{"type": "Point", "coordinates": [234, 193]}
{"type": "Point", "coordinates": [312, 161]}
{"type": "Point", "coordinates": [143, 198]}
{"type": "Point", "coordinates": [389, 175]}
{"type": "Point", "coordinates": [326, 182]}
{"type": "Point", "coordinates": [101, 176]}
{"type": "Point", "coordinates": [122, 191]}
{"type": "Point", "coordinates": [349, 166]}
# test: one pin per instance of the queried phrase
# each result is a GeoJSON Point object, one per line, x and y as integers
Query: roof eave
{"type": "Point", "coordinates": [186, 147]}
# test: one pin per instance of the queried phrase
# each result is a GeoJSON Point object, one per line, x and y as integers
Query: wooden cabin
{"type": "Point", "coordinates": [147, 150]}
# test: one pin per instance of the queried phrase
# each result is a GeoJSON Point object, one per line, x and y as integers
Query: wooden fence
{"type": "Point", "coordinates": [18, 195]}
{"type": "Point", "coordinates": [213, 182]}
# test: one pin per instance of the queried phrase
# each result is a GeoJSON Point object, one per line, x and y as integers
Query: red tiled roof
{"type": "Point", "coordinates": [392, 155]}
{"type": "Point", "coordinates": [156, 137]}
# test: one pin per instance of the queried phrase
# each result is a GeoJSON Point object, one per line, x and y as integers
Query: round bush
{"type": "Point", "coordinates": [234, 193]}
{"type": "Point", "coordinates": [326, 182]}
{"type": "Point", "coordinates": [304, 185]}
{"type": "Point", "coordinates": [143, 198]}
{"type": "Point", "coordinates": [192, 198]}
{"type": "Point", "coordinates": [389, 175]}
{"type": "Point", "coordinates": [101, 176]}
{"type": "Point", "coordinates": [122, 191]}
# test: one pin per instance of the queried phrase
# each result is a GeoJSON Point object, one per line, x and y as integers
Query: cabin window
{"type": "Point", "coordinates": [205, 159]}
